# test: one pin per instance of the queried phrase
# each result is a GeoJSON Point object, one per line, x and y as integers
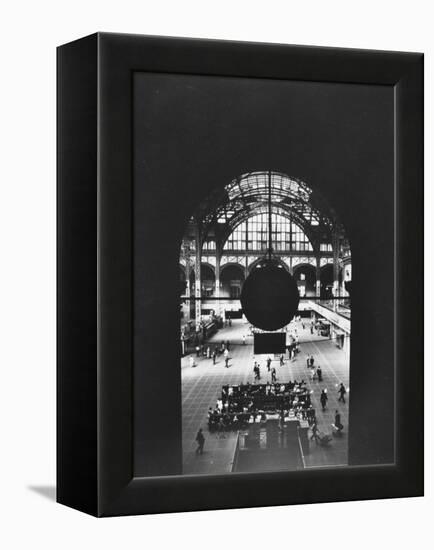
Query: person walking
{"type": "Point", "coordinates": [273, 375]}
{"type": "Point", "coordinates": [323, 399]}
{"type": "Point", "coordinates": [342, 391]}
{"type": "Point", "coordinates": [226, 355]}
{"type": "Point", "coordinates": [315, 433]}
{"type": "Point", "coordinates": [269, 364]}
{"type": "Point", "coordinates": [200, 439]}
{"type": "Point", "coordinates": [282, 360]}
{"type": "Point", "coordinates": [214, 355]}
{"type": "Point", "coordinates": [258, 372]}
{"type": "Point", "coordinates": [338, 424]}
{"type": "Point", "coordinates": [319, 373]}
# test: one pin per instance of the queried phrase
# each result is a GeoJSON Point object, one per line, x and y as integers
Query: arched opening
{"type": "Point", "coordinates": [259, 241]}
{"type": "Point", "coordinates": [326, 279]}
{"type": "Point", "coordinates": [231, 281]}
{"type": "Point", "coordinates": [305, 275]}
{"type": "Point", "coordinates": [207, 277]}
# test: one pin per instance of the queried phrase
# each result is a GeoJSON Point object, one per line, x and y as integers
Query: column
{"type": "Point", "coordinates": [187, 287]}
{"type": "Point", "coordinates": [335, 246]}
{"type": "Point", "coordinates": [217, 278]}
{"type": "Point", "coordinates": [347, 276]}
{"type": "Point", "coordinates": [318, 276]}
{"type": "Point", "coordinates": [343, 291]}
{"type": "Point", "coordinates": [198, 285]}
{"type": "Point", "coordinates": [246, 266]}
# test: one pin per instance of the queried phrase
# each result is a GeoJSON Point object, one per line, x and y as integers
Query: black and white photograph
{"type": "Point", "coordinates": [265, 330]}
{"type": "Point", "coordinates": [275, 203]}
{"type": "Point", "coordinates": [216, 280]}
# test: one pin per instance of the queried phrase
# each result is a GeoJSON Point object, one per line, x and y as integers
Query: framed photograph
{"type": "Point", "coordinates": [240, 274]}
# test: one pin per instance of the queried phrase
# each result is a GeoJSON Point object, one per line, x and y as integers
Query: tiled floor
{"type": "Point", "coordinates": [201, 386]}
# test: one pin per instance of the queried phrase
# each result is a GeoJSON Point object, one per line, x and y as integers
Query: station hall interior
{"type": "Point", "coordinates": [255, 400]}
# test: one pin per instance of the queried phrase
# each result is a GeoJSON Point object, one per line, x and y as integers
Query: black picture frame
{"type": "Point", "coordinates": [95, 378]}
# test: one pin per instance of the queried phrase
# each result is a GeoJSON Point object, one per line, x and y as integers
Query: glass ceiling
{"type": "Point", "coordinates": [256, 184]}
{"type": "Point", "coordinates": [248, 195]}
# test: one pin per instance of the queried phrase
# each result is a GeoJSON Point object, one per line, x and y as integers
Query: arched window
{"type": "Point", "coordinates": [208, 245]}
{"type": "Point", "coordinates": [252, 234]}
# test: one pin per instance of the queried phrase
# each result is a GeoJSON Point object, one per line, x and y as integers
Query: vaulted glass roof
{"type": "Point", "coordinates": [247, 195]}
{"type": "Point", "coordinates": [255, 184]}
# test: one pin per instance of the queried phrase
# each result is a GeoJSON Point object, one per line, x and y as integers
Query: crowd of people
{"type": "Point", "coordinates": [246, 403]}
{"type": "Point", "coordinates": [240, 405]}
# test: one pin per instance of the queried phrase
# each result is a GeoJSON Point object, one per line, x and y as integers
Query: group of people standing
{"type": "Point", "coordinates": [270, 369]}
{"type": "Point", "coordinates": [315, 372]}
{"type": "Point", "coordinates": [219, 349]}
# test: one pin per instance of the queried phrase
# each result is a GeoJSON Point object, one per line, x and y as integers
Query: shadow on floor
{"type": "Point", "coordinates": [47, 491]}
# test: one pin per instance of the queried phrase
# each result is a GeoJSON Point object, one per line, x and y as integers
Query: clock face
{"type": "Point", "coordinates": [269, 297]}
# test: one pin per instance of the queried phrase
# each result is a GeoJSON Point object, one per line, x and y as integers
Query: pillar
{"type": "Point", "coordinates": [346, 277]}
{"type": "Point", "coordinates": [318, 277]}
{"type": "Point", "coordinates": [198, 284]}
{"type": "Point", "coordinates": [335, 247]}
{"type": "Point", "coordinates": [217, 278]}
{"type": "Point", "coordinates": [187, 287]}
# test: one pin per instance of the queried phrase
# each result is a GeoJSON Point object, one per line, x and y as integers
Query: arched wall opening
{"type": "Point", "coordinates": [326, 282]}
{"type": "Point", "coordinates": [231, 281]}
{"type": "Point", "coordinates": [305, 275]}
{"type": "Point", "coordinates": [258, 218]}
{"type": "Point", "coordinates": [231, 227]}
{"type": "Point", "coordinates": [207, 277]}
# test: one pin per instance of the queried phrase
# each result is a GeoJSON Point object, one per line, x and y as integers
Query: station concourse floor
{"type": "Point", "coordinates": [202, 384]}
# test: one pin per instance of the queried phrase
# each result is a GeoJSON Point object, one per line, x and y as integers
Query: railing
{"type": "Point", "coordinates": [341, 306]}
{"type": "Point", "coordinates": [333, 314]}
{"type": "Point", "coordinates": [236, 453]}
